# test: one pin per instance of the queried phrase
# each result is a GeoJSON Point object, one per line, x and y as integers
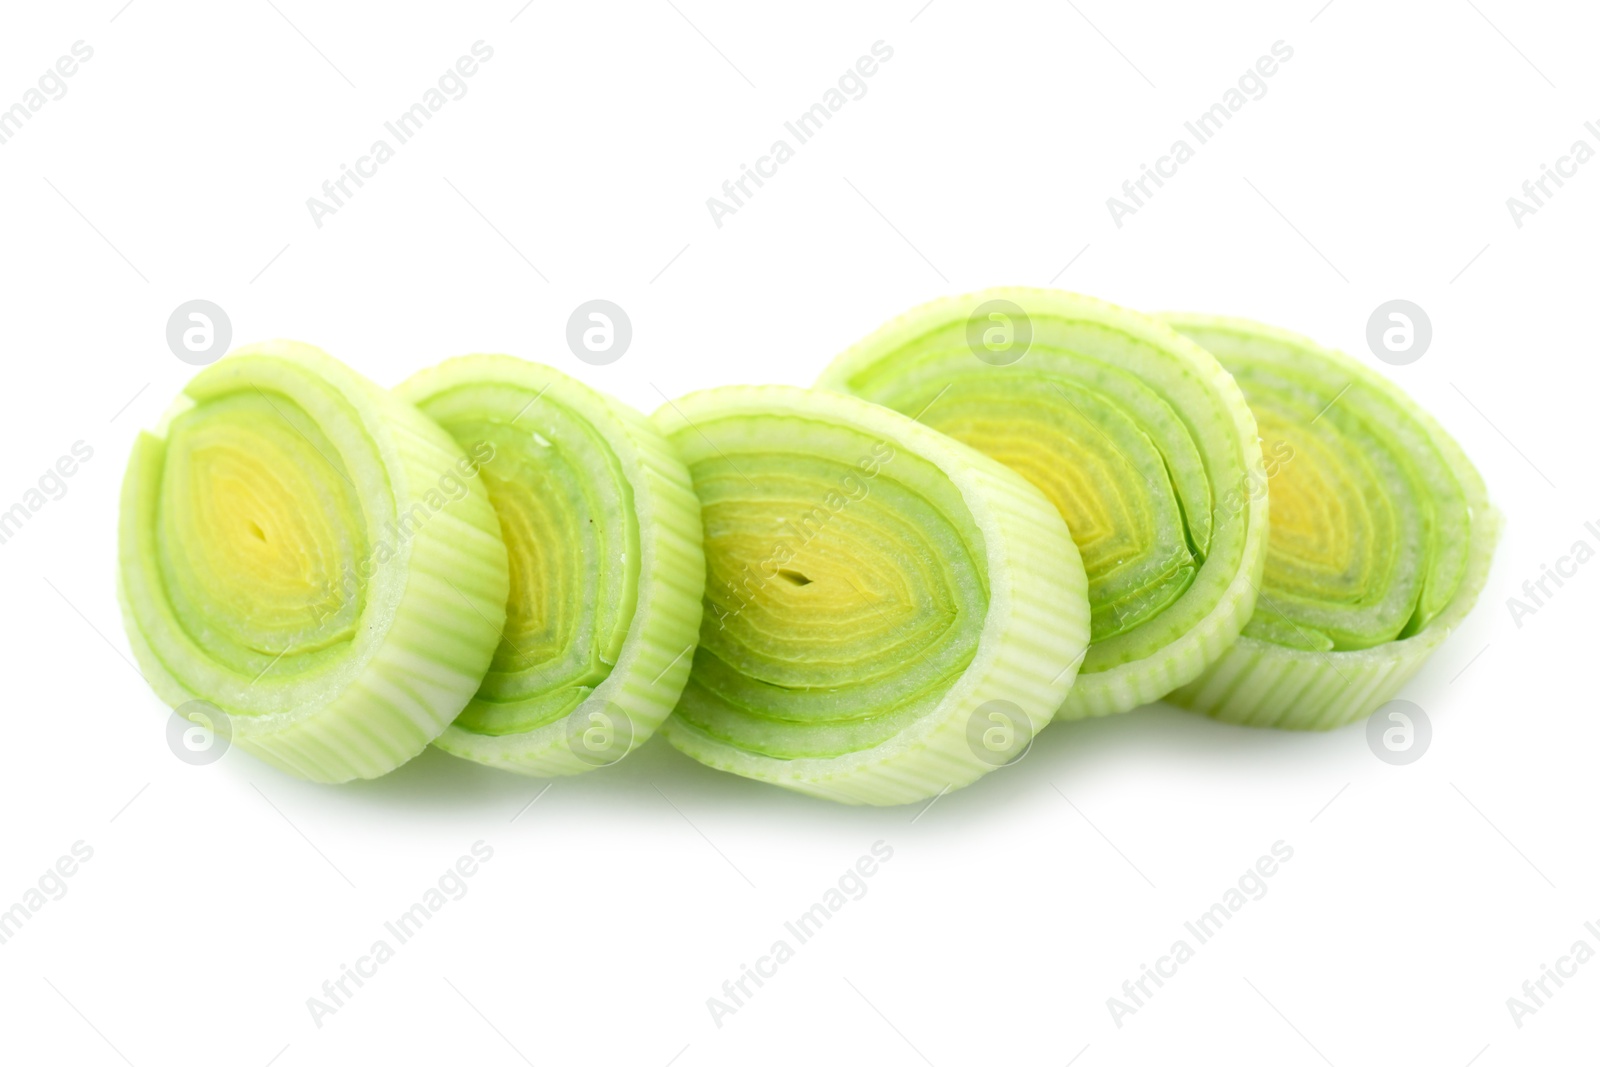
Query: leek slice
{"type": "Point", "coordinates": [1381, 535]}
{"type": "Point", "coordinates": [314, 558]}
{"type": "Point", "coordinates": [1136, 435]}
{"type": "Point", "coordinates": [889, 614]}
{"type": "Point", "coordinates": [603, 531]}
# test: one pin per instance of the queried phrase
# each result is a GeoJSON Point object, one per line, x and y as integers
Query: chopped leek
{"type": "Point", "coordinates": [1136, 435]}
{"type": "Point", "coordinates": [889, 613]}
{"type": "Point", "coordinates": [603, 532]}
{"type": "Point", "coordinates": [312, 556]}
{"type": "Point", "coordinates": [1381, 536]}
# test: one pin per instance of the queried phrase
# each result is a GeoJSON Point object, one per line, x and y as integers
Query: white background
{"type": "Point", "coordinates": [1377, 166]}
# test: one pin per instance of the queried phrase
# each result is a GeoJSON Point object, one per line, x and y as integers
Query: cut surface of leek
{"type": "Point", "coordinates": [1381, 535]}
{"type": "Point", "coordinates": [1135, 434]}
{"type": "Point", "coordinates": [603, 532]}
{"type": "Point", "coordinates": [312, 557]}
{"type": "Point", "coordinates": [889, 614]}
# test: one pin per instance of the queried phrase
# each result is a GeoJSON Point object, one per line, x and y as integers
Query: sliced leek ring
{"type": "Point", "coordinates": [1136, 435]}
{"type": "Point", "coordinates": [603, 532]}
{"type": "Point", "coordinates": [314, 559]}
{"type": "Point", "coordinates": [1381, 536]}
{"type": "Point", "coordinates": [889, 614]}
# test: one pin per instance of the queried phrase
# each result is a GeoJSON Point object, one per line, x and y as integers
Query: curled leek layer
{"type": "Point", "coordinates": [1135, 434]}
{"type": "Point", "coordinates": [603, 531]}
{"type": "Point", "coordinates": [313, 558]}
{"type": "Point", "coordinates": [889, 613]}
{"type": "Point", "coordinates": [1381, 535]}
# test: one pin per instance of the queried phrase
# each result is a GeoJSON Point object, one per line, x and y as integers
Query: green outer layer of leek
{"type": "Point", "coordinates": [1382, 535]}
{"type": "Point", "coordinates": [603, 531]}
{"type": "Point", "coordinates": [314, 558]}
{"type": "Point", "coordinates": [1137, 435]}
{"type": "Point", "coordinates": [881, 600]}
